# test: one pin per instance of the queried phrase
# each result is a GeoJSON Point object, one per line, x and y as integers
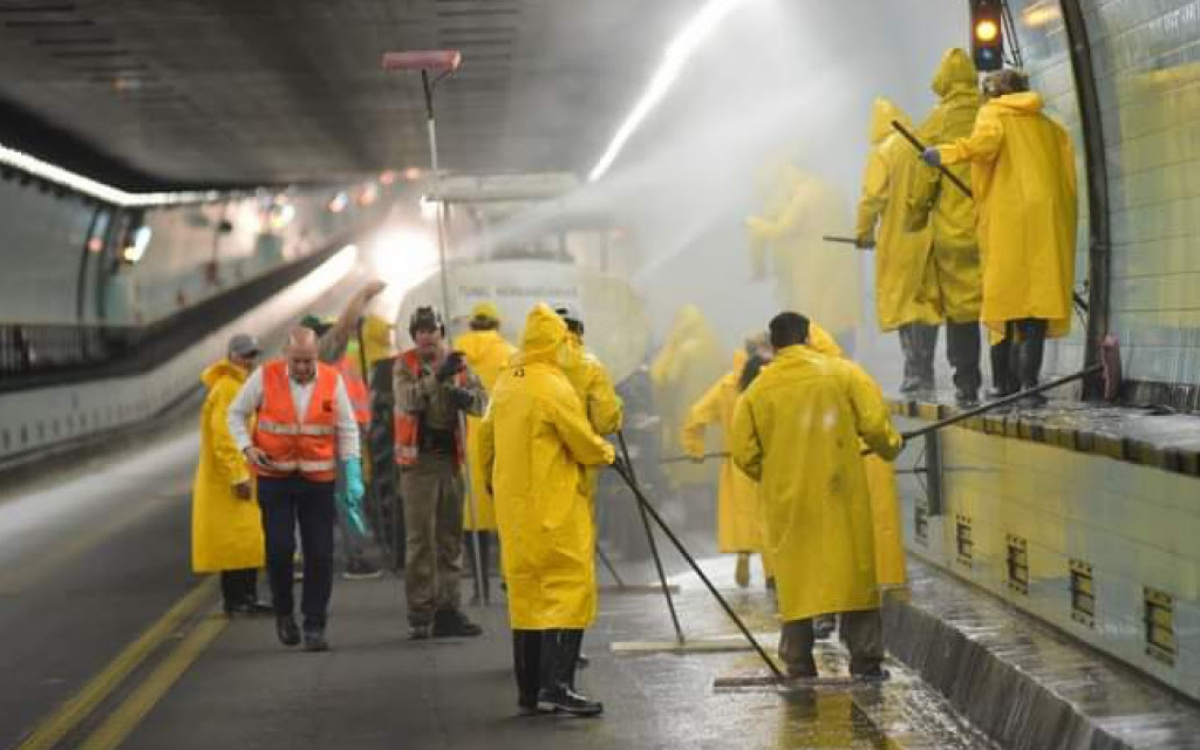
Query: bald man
{"type": "Point", "coordinates": [305, 426]}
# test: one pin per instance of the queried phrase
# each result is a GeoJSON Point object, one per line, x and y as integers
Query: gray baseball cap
{"type": "Point", "coordinates": [244, 345]}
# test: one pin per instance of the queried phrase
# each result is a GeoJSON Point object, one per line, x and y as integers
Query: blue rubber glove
{"type": "Point", "coordinates": [932, 157]}
{"type": "Point", "coordinates": [352, 495]}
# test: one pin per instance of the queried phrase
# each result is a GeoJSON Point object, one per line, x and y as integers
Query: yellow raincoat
{"type": "Point", "coordinates": [905, 286]}
{"type": "Point", "coordinates": [739, 518]}
{"type": "Point", "coordinates": [689, 362]}
{"type": "Point", "coordinates": [890, 566]}
{"type": "Point", "coordinates": [487, 354]}
{"type": "Point", "coordinates": [226, 531]}
{"type": "Point", "coordinates": [797, 429]}
{"type": "Point", "coordinates": [536, 443]}
{"type": "Point", "coordinates": [811, 275]}
{"type": "Point", "coordinates": [936, 202]}
{"type": "Point", "coordinates": [592, 383]}
{"type": "Point", "coordinates": [377, 340]}
{"type": "Point", "coordinates": [1023, 177]}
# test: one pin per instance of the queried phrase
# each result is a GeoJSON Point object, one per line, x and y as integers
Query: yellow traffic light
{"type": "Point", "coordinates": [987, 30]}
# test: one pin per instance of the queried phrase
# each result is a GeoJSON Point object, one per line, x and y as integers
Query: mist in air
{"type": "Point", "coordinates": [778, 85]}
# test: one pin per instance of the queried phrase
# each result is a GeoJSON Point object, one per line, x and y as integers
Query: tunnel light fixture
{"type": "Point", "coordinates": [676, 56]}
{"type": "Point", "coordinates": [42, 170]}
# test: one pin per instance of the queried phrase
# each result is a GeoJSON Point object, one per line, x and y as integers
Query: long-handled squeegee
{"type": "Point", "coordinates": [624, 469]}
{"type": "Point", "coordinates": [443, 63]}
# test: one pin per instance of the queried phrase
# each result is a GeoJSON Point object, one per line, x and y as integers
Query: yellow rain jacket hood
{"type": "Point", "coordinates": [487, 354]}
{"type": "Point", "coordinates": [1023, 177]}
{"type": "Point", "coordinates": [797, 430]}
{"type": "Point", "coordinates": [377, 339]}
{"type": "Point", "coordinates": [739, 515]}
{"type": "Point", "coordinates": [536, 443]}
{"type": "Point", "coordinates": [226, 531]}
{"type": "Point", "coordinates": [687, 365]}
{"type": "Point", "coordinates": [905, 286]}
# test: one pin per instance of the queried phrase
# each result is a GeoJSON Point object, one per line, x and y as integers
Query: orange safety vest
{"type": "Point", "coordinates": [356, 389]}
{"type": "Point", "coordinates": [307, 446]}
{"type": "Point", "coordinates": [407, 427]}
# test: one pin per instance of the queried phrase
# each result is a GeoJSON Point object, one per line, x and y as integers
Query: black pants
{"type": "Point", "coordinates": [962, 349]}
{"type": "Point", "coordinates": [286, 503]}
{"type": "Point", "coordinates": [918, 342]}
{"type": "Point", "coordinates": [239, 586]}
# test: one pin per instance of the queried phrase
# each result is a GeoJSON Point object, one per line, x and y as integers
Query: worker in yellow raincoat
{"type": "Point", "coordinates": [739, 518]}
{"type": "Point", "coordinates": [905, 283]}
{"type": "Point", "coordinates": [605, 412]}
{"type": "Point", "coordinates": [688, 363]}
{"type": "Point", "coordinates": [536, 443]}
{"type": "Point", "coordinates": [797, 430]}
{"type": "Point", "coordinates": [487, 353]}
{"type": "Point", "coordinates": [1023, 178]}
{"type": "Point", "coordinates": [890, 567]}
{"type": "Point", "coordinates": [227, 534]}
{"type": "Point", "coordinates": [810, 274]}
{"type": "Point", "coordinates": [949, 214]}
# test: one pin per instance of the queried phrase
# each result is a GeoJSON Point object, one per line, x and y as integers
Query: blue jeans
{"type": "Point", "coordinates": [287, 502]}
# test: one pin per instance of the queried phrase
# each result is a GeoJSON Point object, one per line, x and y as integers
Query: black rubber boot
{"type": "Point", "coordinates": [910, 347]}
{"type": "Point", "coordinates": [558, 674]}
{"type": "Point", "coordinates": [527, 651]}
{"type": "Point", "coordinates": [1031, 350]}
{"type": "Point", "coordinates": [1003, 383]}
{"type": "Point", "coordinates": [962, 349]}
{"type": "Point", "coordinates": [926, 337]}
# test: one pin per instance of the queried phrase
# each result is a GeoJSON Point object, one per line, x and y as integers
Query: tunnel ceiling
{"type": "Point", "coordinates": [172, 93]}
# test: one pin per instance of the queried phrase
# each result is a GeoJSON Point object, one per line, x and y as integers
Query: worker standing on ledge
{"type": "Point", "coordinates": [537, 443]}
{"type": "Point", "coordinates": [227, 532]}
{"type": "Point", "coordinates": [433, 388]}
{"type": "Point", "coordinates": [796, 429]}
{"type": "Point", "coordinates": [487, 353]}
{"type": "Point", "coordinates": [905, 286]}
{"type": "Point", "coordinates": [950, 216]}
{"type": "Point", "coordinates": [305, 427]}
{"type": "Point", "coordinates": [1023, 178]}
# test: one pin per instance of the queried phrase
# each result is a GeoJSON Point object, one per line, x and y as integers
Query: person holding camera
{"type": "Point", "coordinates": [434, 389]}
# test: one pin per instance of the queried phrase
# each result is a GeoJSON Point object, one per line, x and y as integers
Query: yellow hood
{"type": "Point", "coordinates": [955, 72]}
{"type": "Point", "coordinates": [882, 114]}
{"type": "Point", "coordinates": [222, 369]}
{"type": "Point", "coordinates": [544, 334]}
{"type": "Point", "coordinates": [377, 339]}
{"type": "Point", "coordinates": [1028, 102]}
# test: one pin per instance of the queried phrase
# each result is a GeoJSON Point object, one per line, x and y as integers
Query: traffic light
{"type": "Point", "coordinates": [987, 34]}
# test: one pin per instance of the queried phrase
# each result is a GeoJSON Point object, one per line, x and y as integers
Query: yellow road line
{"type": "Point", "coordinates": [51, 730]}
{"type": "Point", "coordinates": [129, 714]}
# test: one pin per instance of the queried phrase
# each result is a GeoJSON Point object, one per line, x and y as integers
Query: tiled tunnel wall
{"type": "Point", "coordinates": [1058, 533]}
{"type": "Point", "coordinates": [1147, 61]}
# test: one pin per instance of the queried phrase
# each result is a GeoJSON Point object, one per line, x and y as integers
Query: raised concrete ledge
{"type": "Point", "coordinates": [1140, 436]}
{"type": "Point", "coordinates": [1025, 684]}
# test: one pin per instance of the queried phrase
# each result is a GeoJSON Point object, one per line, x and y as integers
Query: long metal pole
{"type": "Point", "coordinates": [646, 507]}
{"type": "Point", "coordinates": [447, 311]}
{"type": "Point", "coordinates": [662, 577]}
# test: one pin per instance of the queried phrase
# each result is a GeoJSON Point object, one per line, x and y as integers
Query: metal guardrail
{"type": "Point", "coordinates": [41, 355]}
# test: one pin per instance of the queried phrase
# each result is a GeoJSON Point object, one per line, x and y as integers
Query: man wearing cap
{"type": "Point", "coordinates": [487, 354]}
{"type": "Point", "coordinates": [434, 389]}
{"type": "Point", "coordinates": [305, 428]}
{"type": "Point", "coordinates": [227, 535]}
